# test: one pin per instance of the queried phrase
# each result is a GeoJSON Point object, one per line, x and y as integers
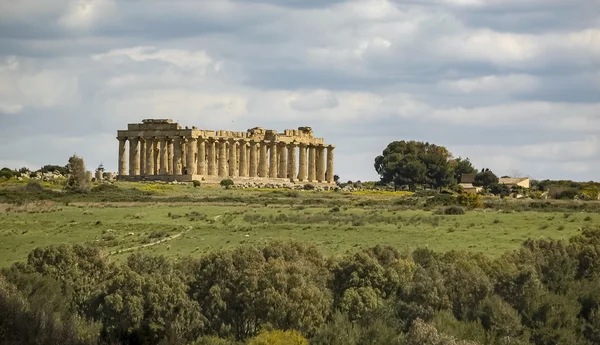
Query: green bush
{"type": "Point", "coordinates": [309, 186]}
{"type": "Point", "coordinates": [227, 183]}
{"type": "Point", "coordinates": [196, 183]}
{"type": "Point", "coordinates": [454, 210]}
{"type": "Point", "coordinates": [6, 173]}
{"type": "Point", "coordinates": [34, 186]}
{"type": "Point", "coordinates": [568, 194]}
{"type": "Point", "coordinates": [470, 200]}
{"type": "Point", "coordinates": [105, 187]}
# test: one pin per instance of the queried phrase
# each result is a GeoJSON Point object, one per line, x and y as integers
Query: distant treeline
{"type": "Point", "coordinates": [545, 293]}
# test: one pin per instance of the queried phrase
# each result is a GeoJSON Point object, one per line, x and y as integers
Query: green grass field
{"type": "Point", "coordinates": [192, 228]}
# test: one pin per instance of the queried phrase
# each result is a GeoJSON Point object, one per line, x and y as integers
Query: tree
{"type": "Point", "coordinates": [485, 178]}
{"type": "Point", "coordinates": [77, 181]}
{"type": "Point", "coordinates": [278, 337]}
{"type": "Point", "coordinates": [415, 163]}
{"type": "Point", "coordinates": [462, 166]}
{"type": "Point", "coordinates": [499, 189]}
{"type": "Point", "coordinates": [6, 173]}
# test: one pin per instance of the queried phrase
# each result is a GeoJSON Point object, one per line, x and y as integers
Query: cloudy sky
{"type": "Point", "coordinates": [512, 84]}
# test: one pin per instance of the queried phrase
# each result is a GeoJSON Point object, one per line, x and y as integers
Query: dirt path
{"type": "Point", "coordinates": [148, 244]}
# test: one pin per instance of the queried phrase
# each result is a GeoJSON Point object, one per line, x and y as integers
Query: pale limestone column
{"type": "Point", "coordinates": [243, 161]}
{"type": "Point", "coordinates": [142, 156]}
{"type": "Point", "coordinates": [192, 146]}
{"type": "Point", "coordinates": [183, 155]}
{"type": "Point", "coordinates": [222, 157]}
{"type": "Point", "coordinates": [273, 160]}
{"type": "Point", "coordinates": [170, 160]}
{"type": "Point", "coordinates": [201, 156]}
{"type": "Point", "coordinates": [149, 156]}
{"type": "Point", "coordinates": [283, 165]}
{"type": "Point", "coordinates": [292, 161]}
{"type": "Point", "coordinates": [156, 157]}
{"type": "Point", "coordinates": [320, 163]}
{"type": "Point", "coordinates": [134, 158]}
{"type": "Point", "coordinates": [302, 174]}
{"type": "Point", "coordinates": [211, 157]}
{"type": "Point", "coordinates": [164, 159]}
{"type": "Point", "coordinates": [177, 159]}
{"type": "Point", "coordinates": [253, 166]}
{"type": "Point", "coordinates": [312, 162]}
{"type": "Point", "coordinates": [329, 172]}
{"type": "Point", "coordinates": [122, 157]}
{"type": "Point", "coordinates": [232, 157]}
{"type": "Point", "coordinates": [262, 159]}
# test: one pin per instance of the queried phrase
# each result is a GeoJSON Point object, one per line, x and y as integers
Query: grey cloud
{"type": "Point", "coordinates": [294, 49]}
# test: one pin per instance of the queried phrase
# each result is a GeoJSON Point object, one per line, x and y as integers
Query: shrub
{"type": "Point", "coordinates": [105, 187]}
{"type": "Point", "coordinates": [568, 194]}
{"type": "Point", "coordinates": [470, 200]}
{"type": "Point", "coordinates": [227, 183]}
{"type": "Point", "coordinates": [278, 337]}
{"type": "Point", "coordinates": [440, 200]}
{"type": "Point", "coordinates": [34, 186]}
{"type": "Point", "coordinates": [196, 183]}
{"type": "Point", "coordinates": [6, 173]}
{"type": "Point", "coordinates": [454, 210]}
{"type": "Point", "coordinates": [309, 186]}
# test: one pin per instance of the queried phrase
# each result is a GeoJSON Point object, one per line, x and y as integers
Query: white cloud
{"type": "Point", "coordinates": [10, 108]}
{"type": "Point", "coordinates": [316, 100]}
{"type": "Point", "coordinates": [85, 14]}
{"type": "Point", "coordinates": [178, 57]}
{"type": "Point", "coordinates": [497, 84]}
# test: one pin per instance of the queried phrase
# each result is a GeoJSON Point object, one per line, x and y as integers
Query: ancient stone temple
{"type": "Point", "coordinates": [162, 150]}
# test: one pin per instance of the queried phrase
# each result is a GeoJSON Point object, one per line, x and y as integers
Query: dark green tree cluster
{"type": "Point", "coordinates": [77, 180]}
{"type": "Point", "coordinates": [414, 163]}
{"type": "Point", "coordinates": [544, 293]}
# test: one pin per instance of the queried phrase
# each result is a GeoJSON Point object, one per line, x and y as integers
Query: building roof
{"type": "Point", "coordinates": [467, 178]}
{"type": "Point", "coordinates": [512, 180]}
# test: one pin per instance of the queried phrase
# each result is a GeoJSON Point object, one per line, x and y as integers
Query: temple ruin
{"type": "Point", "coordinates": [160, 149]}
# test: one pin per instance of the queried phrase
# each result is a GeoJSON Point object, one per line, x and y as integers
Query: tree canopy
{"type": "Point", "coordinates": [413, 163]}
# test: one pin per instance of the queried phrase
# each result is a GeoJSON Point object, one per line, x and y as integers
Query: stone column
{"type": "Point", "coordinates": [283, 165]}
{"type": "Point", "coordinates": [312, 161]}
{"type": "Point", "coordinates": [122, 157]}
{"type": "Point", "coordinates": [164, 159]}
{"type": "Point", "coordinates": [253, 168]}
{"type": "Point", "coordinates": [170, 160]}
{"type": "Point", "coordinates": [156, 157]}
{"type": "Point", "coordinates": [177, 159]}
{"type": "Point", "coordinates": [183, 154]}
{"type": "Point", "coordinates": [211, 157]}
{"type": "Point", "coordinates": [320, 163]}
{"type": "Point", "coordinates": [201, 157]}
{"type": "Point", "coordinates": [136, 157]}
{"type": "Point", "coordinates": [302, 174]}
{"type": "Point", "coordinates": [222, 157]}
{"type": "Point", "coordinates": [243, 170]}
{"type": "Point", "coordinates": [132, 153]}
{"type": "Point", "coordinates": [142, 156]}
{"type": "Point", "coordinates": [329, 173]}
{"type": "Point", "coordinates": [233, 157]}
{"type": "Point", "coordinates": [262, 163]}
{"type": "Point", "coordinates": [273, 160]}
{"type": "Point", "coordinates": [192, 146]}
{"type": "Point", "coordinates": [149, 156]}
{"type": "Point", "coordinates": [292, 161]}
